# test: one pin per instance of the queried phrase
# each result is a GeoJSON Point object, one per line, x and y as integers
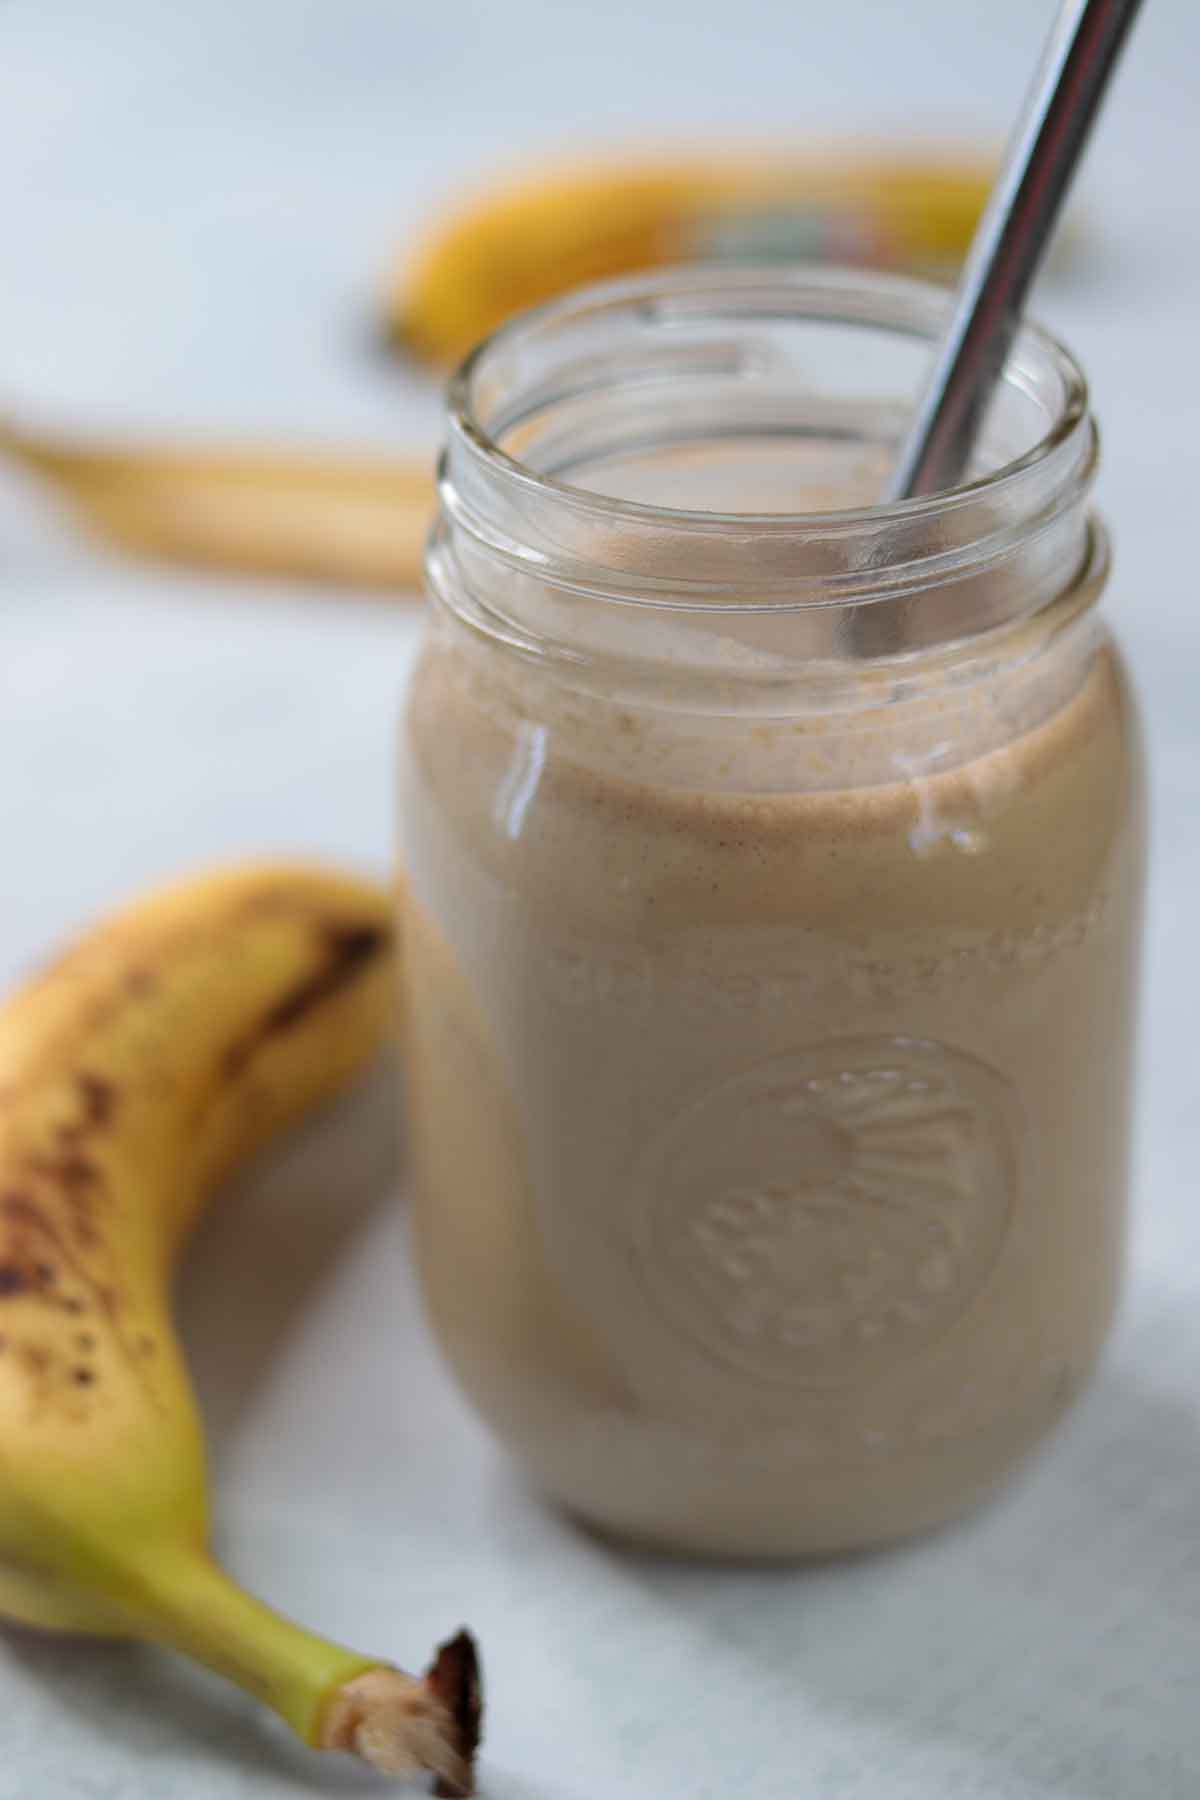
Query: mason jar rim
{"type": "Point", "coordinates": [829, 294]}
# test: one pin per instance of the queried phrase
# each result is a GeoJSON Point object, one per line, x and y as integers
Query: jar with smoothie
{"type": "Point", "coordinates": [772, 871]}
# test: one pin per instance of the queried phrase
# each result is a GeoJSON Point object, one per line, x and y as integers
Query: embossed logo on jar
{"type": "Point", "coordinates": [823, 1213]}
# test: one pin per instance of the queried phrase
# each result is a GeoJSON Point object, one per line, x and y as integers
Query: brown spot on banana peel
{"type": "Point", "coordinates": [34, 1230]}
{"type": "Point", "coordinates": [99, 1099]}
{"type": "Point", "coordinates": [81, 1184]}
{"type": "Point", "coordinates": [72, 1168]}
{"type": "Point", "coordinates": [345, 953]}
{"type": "Point", "coordinates": [22, 1269]}
{"type": "Point", "coordinates": [98, 1104]}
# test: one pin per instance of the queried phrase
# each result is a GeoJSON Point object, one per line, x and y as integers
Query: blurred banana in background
{"type": "Point", "coordinates": [359, 520]}
{"type": "Point", "coordinates": [532, 237]}
{"type": "Point", "coordinates": [335, 516]}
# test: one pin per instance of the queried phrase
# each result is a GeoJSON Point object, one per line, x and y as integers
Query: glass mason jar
{"type": "Point", "coordinates": [772, 868]}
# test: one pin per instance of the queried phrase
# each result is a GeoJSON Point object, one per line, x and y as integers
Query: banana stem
{"type": "Point", "coordinates": [333, 1698]}
{"type": "Point", "coordinates": [187, 1602]}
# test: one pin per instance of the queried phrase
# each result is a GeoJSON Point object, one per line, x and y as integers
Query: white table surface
{"type": "Point", "coordinates": [196, 202]}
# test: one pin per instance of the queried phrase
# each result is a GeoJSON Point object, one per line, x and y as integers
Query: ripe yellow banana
{"type": "Point", "coordinates": [524, 240]}
{"type": "Point", "coordinates": [133, 1074]}
{"type": "Point", "coordinates": [316, 516]}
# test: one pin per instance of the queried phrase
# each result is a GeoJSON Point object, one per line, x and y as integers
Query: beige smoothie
{"type": "Point", "coordinates": [768, 1085]}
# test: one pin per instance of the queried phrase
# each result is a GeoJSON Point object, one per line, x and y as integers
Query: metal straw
{"type": "Point", "coordinates": [1008, 244]}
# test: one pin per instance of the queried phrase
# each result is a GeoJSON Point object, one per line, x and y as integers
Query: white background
{"type": "Point", "coordinates": [196, 203]}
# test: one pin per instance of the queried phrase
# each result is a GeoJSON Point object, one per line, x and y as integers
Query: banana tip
{"type": "Point", "coordinates": [396, 334]}
{"type": "Point", "coordinates": [455, 1680]}
{"type": "Point", "coordinates": [401, 1725]}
